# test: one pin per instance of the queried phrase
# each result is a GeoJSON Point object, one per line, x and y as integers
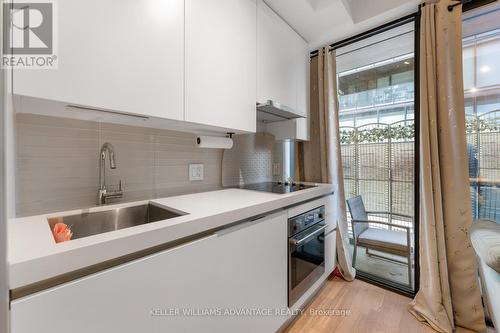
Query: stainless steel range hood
{"type": "Point", "coordinates": [272, 111]}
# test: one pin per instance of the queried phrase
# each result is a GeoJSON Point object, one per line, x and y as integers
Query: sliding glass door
{"type": "Point", "coordinates": [376, 89]}
{"type": "Point", "coordinates": [481, 66]}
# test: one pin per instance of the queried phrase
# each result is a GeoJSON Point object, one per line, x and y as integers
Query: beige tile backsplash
{"type": "Point", "coordinates": [58, 168]}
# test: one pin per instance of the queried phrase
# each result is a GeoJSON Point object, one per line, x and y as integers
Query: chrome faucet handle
{"type": "Point", "coordinates": [104, 193]}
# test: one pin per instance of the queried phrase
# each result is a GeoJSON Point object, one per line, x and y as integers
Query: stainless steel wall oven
{"type": "Point", "coordinates": [306, 251]}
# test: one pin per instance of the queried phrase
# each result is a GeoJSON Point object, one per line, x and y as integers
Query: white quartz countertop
{"type": "Point", "coordinates": [34, 256]}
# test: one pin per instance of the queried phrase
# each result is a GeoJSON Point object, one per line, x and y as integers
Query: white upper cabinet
{"type": "Point", "coordinates": [282, 72]}
{"type": "Point", "coordinates": [126, 56]}
{"type": "Point", "coordinates": [282, 62]}
{"type": "Point", "coordinates": [275, 62]}
{"type": "Point", "coordinates": [220, 76]}
{"type": "Point", "coordinates": [303, 65]}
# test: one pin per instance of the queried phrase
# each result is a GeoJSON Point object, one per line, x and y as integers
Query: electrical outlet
{"type": "Point", "coordinates": [276, 169]}
{"type": "Point", "coordinates": [195, 172]}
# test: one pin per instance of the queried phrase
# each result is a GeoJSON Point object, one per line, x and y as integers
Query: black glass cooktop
{"type": "Point", "coordinates": [274, 187]}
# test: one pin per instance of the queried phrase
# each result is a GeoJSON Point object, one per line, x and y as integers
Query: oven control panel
{"type": "Point", "coordinates": [303, 221]}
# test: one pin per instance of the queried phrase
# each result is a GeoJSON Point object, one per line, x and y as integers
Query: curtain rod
{"type": "Point", "coordinates": [462, 2]}
{"type": "Point", "coordinates": [468, 5]}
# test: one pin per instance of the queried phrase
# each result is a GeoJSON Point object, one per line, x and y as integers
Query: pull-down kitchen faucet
{"type": "Point", "coordinates": [103, 193]}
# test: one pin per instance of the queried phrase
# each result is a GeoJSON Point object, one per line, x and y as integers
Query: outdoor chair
{"type": "Point", "coordinates": [390, 241]}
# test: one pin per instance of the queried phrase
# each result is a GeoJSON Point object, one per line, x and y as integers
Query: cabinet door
{"type": "Point", "coordinates": [122, 299]}
{"type": "Point", "coordinates": [127, 57]}
{"type": "Point", "coordinates": [253, 268]}
{"type": "Point", "coordinates": [331, 234]}
{"type": "Point", "coordinates": [221, 63]}
{"type": "Point", "coordinates": [276, 61]}
{"type": "Point", "coordinates": [330, 251]}
{"type": "Point", "coordinates": [243, 267]}
{"type": "Point", "coordinates": [302, 65]}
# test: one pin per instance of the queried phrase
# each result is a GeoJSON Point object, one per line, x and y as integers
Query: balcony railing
{"type": "Point", "coordinates": [399, 93]}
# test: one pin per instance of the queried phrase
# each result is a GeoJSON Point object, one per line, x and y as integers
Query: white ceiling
{"type": "Point", "coordinates": [322, 22]}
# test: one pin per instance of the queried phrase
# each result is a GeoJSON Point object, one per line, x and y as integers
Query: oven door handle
{"type": "Point", "coordinates": [294, 241]}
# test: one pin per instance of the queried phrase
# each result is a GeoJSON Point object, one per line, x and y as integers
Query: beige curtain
{"type": "Point", "coordinates": [319, 158]}
{"type": "Point", "coordinates": [449, 293]}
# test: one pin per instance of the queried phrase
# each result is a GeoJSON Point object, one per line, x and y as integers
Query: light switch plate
{"type": "Point", "coordinates": [195, 172]}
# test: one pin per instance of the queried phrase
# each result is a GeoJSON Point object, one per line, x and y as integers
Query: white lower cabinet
{"type": "Point", "coordinates": [242, 267]}
{"type": "Point", "coordinates": [331, 234]}
{"type": "Point", "coordinates": [330, 251]}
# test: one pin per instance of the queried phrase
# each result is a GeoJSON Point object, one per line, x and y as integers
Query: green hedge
{"type": "Point", "coordinates": [407, 132]}
{"type": "Point", "coordinates": [400, 132]}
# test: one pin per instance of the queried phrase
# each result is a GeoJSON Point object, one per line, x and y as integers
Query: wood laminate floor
{"type": "Point", "coordinates": [357, 306]}
{"type": "Point", "coordinates": [386, 269]}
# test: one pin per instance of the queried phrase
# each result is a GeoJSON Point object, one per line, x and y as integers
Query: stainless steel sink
{"type": "Point", "coordinates": [88, 224]}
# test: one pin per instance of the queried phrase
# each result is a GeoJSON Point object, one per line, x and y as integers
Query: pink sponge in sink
{"type": "Point", "coordinates": [61, 232]}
